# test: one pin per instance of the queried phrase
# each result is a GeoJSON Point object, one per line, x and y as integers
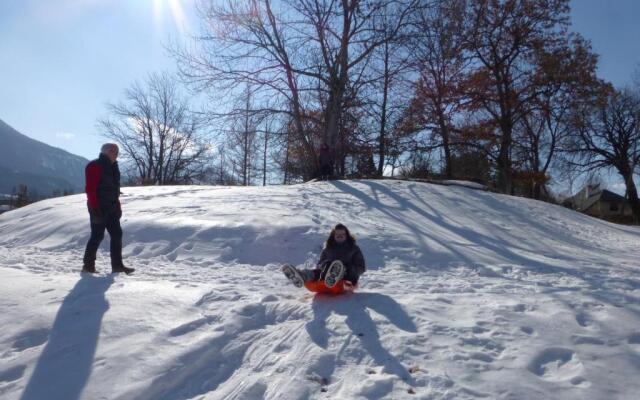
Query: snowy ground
{"type": "Point", "coordinates": [468, 295]}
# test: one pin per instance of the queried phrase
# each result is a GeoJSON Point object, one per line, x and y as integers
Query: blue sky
{"type": "Point", "coordinates": [63, 60]}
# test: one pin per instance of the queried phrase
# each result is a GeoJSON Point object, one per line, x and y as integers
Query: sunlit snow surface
{"type": "Point", "coordinates": [468, 295]}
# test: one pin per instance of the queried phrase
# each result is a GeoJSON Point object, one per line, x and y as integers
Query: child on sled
{"type": "Point", "coordinates": [341, 264]}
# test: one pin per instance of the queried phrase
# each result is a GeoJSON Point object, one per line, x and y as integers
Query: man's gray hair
{"type": "Point", "coordinates": [108, 146]}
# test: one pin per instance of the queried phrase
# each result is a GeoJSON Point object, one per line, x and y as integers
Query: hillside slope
{"type": "Point", "coordinates": [468, 295]}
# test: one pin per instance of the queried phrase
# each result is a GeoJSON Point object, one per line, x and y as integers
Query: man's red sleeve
{"type": "Point", "coordinates": [93, 173]}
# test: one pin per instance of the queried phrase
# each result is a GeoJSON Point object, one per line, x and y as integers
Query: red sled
{"type": "Point", "coordinates": [342, 286]}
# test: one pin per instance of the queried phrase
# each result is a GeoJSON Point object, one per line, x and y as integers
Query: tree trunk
{"type": "Point", "coordinates": [332, 120]}
{"type": "Point", "coordinates": [383, 123]}
{"type": "Point", "coordinates": [338, 83]}
{"type": "Point", "coordinates": [448, 168]}
{"type": "Point", "coordinates": [297, 120]}
{"type": "Point", "coordinates": [383, 116]}
{"type": "Point", "coordinates": [632, 196]}
{"type": "Point", "coordinates": [286, 160]}
{"type": "Point", "coordinates": [444, 133]}
{"type": "Point", "coordinates": [537, 191]}
{"type": "Point", "coordinates": [264, 159]}
{"type": "Point", "coordinates": [505, 181]}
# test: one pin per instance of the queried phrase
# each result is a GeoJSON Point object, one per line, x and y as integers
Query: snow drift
{"type": "Point", "coordinates": [468, 294]}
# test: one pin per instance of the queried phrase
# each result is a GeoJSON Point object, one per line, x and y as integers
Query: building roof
{"type": "Point", "coordinates": [591, 194]}
{"type": "Point", "coordinates": [611, 197]}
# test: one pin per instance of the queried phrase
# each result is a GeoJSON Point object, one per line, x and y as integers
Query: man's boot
{"type": "Point", "coordinates": [122, 268]}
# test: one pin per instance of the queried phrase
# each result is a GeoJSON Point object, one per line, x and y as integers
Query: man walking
{"type": "Point", "coordinates": [103, 191]}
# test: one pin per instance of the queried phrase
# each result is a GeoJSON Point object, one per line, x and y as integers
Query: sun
{"type": "Point", "coordinates": [176, 11]}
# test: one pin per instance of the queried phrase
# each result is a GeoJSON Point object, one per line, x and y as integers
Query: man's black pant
{"type": "Point", "coordinates": [111, 223]}
{"type": "Point", "coordinates": [326, 171]}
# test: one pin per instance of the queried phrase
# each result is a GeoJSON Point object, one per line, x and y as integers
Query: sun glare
{"type": "Point", "coordinates": [175, 9]}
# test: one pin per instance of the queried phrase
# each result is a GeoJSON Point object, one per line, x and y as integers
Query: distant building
{"type": "Point", "coordinates": [7, 202]}
{"type": "Point", "coordinates": [600, 203]}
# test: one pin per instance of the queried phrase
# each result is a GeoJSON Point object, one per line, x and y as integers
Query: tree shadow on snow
{"type": "Point", "coordinates": [595, 277]}
{"type": "Point", "coordinates": [355, 307]}
{"type": "Point", "coordinates": [64, 367]}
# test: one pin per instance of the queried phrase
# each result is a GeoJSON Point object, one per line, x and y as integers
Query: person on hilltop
{"type": "Point", "coordinates": [103, 200]}
{"type": "Point", "coordinates": [325, 162]}
{"type": "Point", "coordinates": [340, 265]}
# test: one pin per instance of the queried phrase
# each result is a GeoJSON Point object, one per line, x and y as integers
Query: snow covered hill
{"type": "Point", "coordinates": [468, 295]}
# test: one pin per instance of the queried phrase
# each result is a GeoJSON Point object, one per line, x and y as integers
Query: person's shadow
{"type": "Point", "coordinates": [354, 307]}
{"type": "Point", "coordinates": [64, 367]}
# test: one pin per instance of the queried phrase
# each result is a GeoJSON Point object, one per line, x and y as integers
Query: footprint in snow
{"type": "Point", "coordinates": [192, 326]}
{"type": "Point", "coordinates": [31, 338]}
{"type": "Point", "coordinates": [269, 299]}
{"type": "Point", "coordinates": [376, 386]}
{"type": "Point", "coordinates": [522, 308]}
{"type": "Point", "coordinates": [634, 338]}
{"type": "Point", "coordinates": [557, 364]}
{"type": "Point", "coordinates": [216, 296]}
{"type": "Point", "coordinates": [582, 339]}
{"type": "Point", "coordinates": [321, 371]}
{"type": "Point", "coordinates": [484, 343]}
{"type": "Point", "coordinates": [527, 329]}
{"type": "Point", "coordinates": [477, 329]}
{"type": "Point", "coordinates": [12, 374]}
{"type": "Point", "coordinates": [480, 356]}
{"type": "Point", "coordinates": [137, 250]}
{"type": "Point", "coordinates": [583, 320]}
{"type": "Point", "coordinates": [580, 382]}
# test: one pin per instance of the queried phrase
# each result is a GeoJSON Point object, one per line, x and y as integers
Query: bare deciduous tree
{"type": "Point", "coordinates": [442, 66]}
{"type": "Point", "coordinates": [566, 75]}
{"type": "Point", "coordinates": [243, 140]}
{"type": "Point", "coordinates": [288, 51]}
{"type": "Point", "coordinates": [156, 132]}
{"type": "Point", "coordinates": [249, 43]}
{"type": "Point", "coordinates": [607, 135]}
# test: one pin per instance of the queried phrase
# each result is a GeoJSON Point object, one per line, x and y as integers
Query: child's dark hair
{"type": "Point", "coordinates": [331, 241]}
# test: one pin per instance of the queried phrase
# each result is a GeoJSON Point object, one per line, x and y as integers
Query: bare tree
{"type": "Point", "coordinates": [383, 87]}
{"type": "Point", "coordinates": [242, 140]}
{"type": "Point", "coordinates": [288, 50]}
{"type": "Point", "coordinates": [267, 138]}
{"type": "Point", "coordinates": [441, 62]}
{"type": "Point", "coordinates": [607, 135]}
{"type": "Point", "coordinates": [248, 43]}
{"type": "Point", "coordinates": [157, 132]}
{"type": "Point", "coordinates": [566, 76]}
{"type": "Point", "coordinates": [345, 34]}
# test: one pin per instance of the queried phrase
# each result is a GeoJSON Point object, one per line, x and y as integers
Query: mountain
{"type": "Point", "coordinates": [467, 295]}
{"type": "Point", "coordinates": [43, 168]}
